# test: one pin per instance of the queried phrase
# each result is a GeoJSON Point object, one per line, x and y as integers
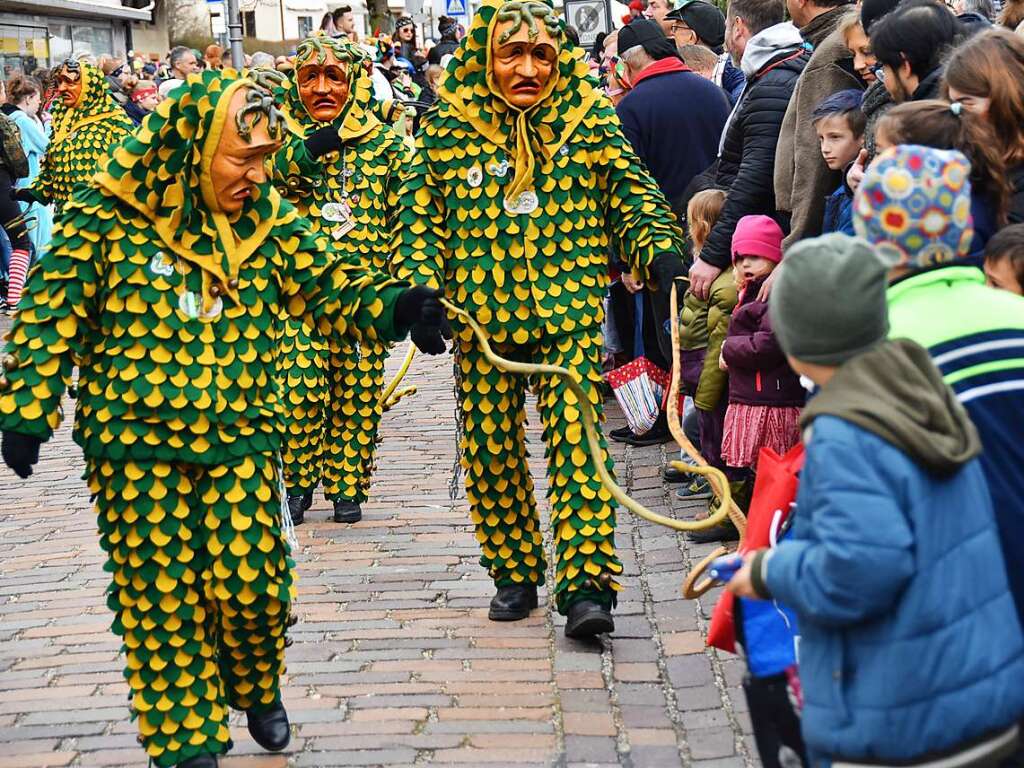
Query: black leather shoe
{"type": "Point", "coordinates": [270, 728]}
{"type": "Point", "coordinates": [673, 475]}
{"type": "Point", "coordinates": [588, 619]}
{"type": "Point", "coordinates": [654, 437]}
{"type": "Point", "coordinates": [297, 510]}
{"type": "Point", "coordinates": [715, 533]}
{"type": "Point", "coordinates": [513, 602]}
{"type": "Point", "coordinates": [346, 511]}
{"type": "Point", "coordinates": [621, 434]}
{"type": "Point", "coordinates": [307, 501]}
{"type": "Point", "coordinates": [200, 761]}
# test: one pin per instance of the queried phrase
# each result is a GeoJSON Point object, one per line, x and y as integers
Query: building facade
{"type": "Point", "coordinates": [42, 33]}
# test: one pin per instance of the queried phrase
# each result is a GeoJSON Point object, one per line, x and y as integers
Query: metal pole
{"type": "Point", "coordinates": [235, 35]}
{"type": "Point", "coordinates": [283, 35]}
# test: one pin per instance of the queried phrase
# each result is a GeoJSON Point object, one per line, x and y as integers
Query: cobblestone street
{"type": "Point", "coordinates": [394, 662]}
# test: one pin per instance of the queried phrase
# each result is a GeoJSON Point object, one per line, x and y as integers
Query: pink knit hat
{"type": "Point", "coordinates": [757, 236]}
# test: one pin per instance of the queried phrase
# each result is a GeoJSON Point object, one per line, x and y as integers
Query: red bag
{"type": "Point", "coordinates": [775, 490]}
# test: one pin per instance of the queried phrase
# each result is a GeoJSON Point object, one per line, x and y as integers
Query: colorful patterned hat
{"type": "Point", "coordinates": [914, 206]}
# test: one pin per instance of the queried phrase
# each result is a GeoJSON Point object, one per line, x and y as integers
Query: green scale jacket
{"type": "Point", "coordinates": [523, 274]}
{"type": "Point", "coordinates": [156, 382]}
{"type": "Point", "coordinates": [82, 135]}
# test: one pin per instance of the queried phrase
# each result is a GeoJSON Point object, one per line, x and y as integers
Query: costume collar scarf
{"type": "Point", "coordinates": [356, 118]}
{"type": "Point", "coordinates": [163, 172]}
{"type": "Point", "coordinates": [470, 91]}
{"type": "Point", "coordinates": [661, 67]}
{"type": "Point", "coordinates": [95, 103]}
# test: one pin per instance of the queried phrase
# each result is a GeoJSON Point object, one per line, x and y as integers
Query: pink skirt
{"type": "Point", "coordinates": [749, 428]}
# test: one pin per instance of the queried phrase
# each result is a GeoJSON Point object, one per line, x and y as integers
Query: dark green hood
{"type": "Point", "coordinates": [896, 392]}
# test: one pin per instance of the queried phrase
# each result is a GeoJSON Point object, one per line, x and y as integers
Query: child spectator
{"type": "Point", "coordinates": [765, 396]}
{"type": "Point", "coordinates": [914, 208]}
{"type": "Point", "coordinates": [1004, 260]}
{"type": "Point", "coordinates": [146, 95]}
{"type": "Point", "coordinates": [941, 125]}
{"type": "Point", "coordinates": [908, 652]}
{"type": "Point", "coordinates": [839, 123]}
{"type": "Point", "coordinates": [710, 397]}
{"type": "Point", "coordinates": [701, 214]}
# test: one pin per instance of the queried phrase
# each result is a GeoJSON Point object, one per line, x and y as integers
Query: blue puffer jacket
{"type": "Point", "coordinates": [896, 575]}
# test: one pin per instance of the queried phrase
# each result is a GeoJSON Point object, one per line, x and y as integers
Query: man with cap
{"type": "Point", "coordinates": [695, 22]}
{"type": "Point", "coordinates": [914, 207]}
{"type": "Point", "coordinates": [669, 107]}
{"type": "Point", "coordinates": [802, 180]}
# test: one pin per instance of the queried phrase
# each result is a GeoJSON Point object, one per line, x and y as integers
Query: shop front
{"type": "Point", "coordinates": [42, 33]}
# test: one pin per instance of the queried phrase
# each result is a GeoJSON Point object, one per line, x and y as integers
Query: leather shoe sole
{"type": "Point", "coordinates": [347, 512]}
{"type": "Point", "coordinates": [270, 729]}
{"type": "Point", "coordinates": [649, 439]}
{"type": "Point", "coordinates": [673, 475]}
{"type": "Point", "coordinates": [200, 761]}
{"type": "Point", "coordinates": [495, 613]}
{"type": "Point", "coordinates": [589, 621]}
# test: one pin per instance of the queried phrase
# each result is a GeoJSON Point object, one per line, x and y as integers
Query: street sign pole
{"type": "Point", "coordinates": [235, 35]}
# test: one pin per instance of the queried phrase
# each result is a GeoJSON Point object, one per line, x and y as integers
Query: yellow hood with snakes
{"type": "Point", "coordinates": [82, 134]}
{"type": "Point", "coordinates": [163, 172]}
{"type": "Point", "coordinates": [357, 117]}
{"type": "Point", "coordinates": [470, 89]}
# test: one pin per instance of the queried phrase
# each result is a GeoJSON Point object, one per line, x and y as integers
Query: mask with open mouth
{"type": "Point", "coordinates": [323, 77]}
{"type": "Point", "coordinates": [524, 51]}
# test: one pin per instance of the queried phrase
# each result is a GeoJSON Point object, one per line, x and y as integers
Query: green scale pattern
{"type": "Point", "coordinates": [331, 389]}
{"type": "Point", "coordinates": [200, 590]}
{"type": "Point", "coordinates": [178, 414]}
{"type": "Point", "coordinates": [80, 140]}
{"type": "Point", "coordinates": [535, 281]}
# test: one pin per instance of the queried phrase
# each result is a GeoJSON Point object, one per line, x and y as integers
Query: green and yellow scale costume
{"type": "Point", "coordinates": [511, 214]}
{"type": "Point", "coordinates": [331, 387]}
{"type": "Point", "coordinates": [82, 135]}
{"type": "Point", "coordinates": [172, 312]}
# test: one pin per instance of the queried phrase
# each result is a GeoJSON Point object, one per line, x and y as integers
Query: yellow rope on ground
{"type": "Point", "coordinates": [389, 398]}
{"type": "Point", "coordinates": [715, 476]}
{"type": "Point", "coordinates": [692, 590]}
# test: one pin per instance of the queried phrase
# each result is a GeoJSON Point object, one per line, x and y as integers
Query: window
{"type": "Point", "coordinates": [305, 26]}
{"type": "Point", "coordinates": [249, 23]}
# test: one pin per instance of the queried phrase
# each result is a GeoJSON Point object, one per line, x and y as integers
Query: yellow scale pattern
{"type": "Point", "coordinates": [535, 280]}
{"type": "Point", "coordinates": [178, 414]}
{"type": "Point", "coordinates": [82, 135]}
{"type": "Point", "coordinates": [332, 390]}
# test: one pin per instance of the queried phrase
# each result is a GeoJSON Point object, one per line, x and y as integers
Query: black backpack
{"type": "Point", "coordinates": [12, 155]}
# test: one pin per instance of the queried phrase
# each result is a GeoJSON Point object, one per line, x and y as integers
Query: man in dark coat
{"type": "Point", "coordinates": [673, 117]}
{"type": "Point", "coordinates": [771, 55]}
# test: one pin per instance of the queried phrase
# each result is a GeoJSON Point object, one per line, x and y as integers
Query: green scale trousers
{"type": "Point", "coordinates": [201, 588]}
{"type": "Point", "coordinates": [332, 413]}
{"type": "Point", "coordinates": [498, 483]}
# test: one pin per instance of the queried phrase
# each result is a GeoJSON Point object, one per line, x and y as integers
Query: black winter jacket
{"type": "Point", "coordinates": [746, 167]}
{"type": "Point", "coordinates": [1015, 176]}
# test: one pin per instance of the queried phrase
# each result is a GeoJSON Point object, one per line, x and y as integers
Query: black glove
{"type": "Point", "coordinates": [419, 308]}
{"type": "Point", "coordinates": [665, 268]}
{"type": "Point", "coordinates": [23, 196]}
{"type": "Point", "coordinates": [20, 452]}
{"type": "Point", "coordinates": [322, 141]}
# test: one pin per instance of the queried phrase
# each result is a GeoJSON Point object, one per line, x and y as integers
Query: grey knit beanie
{"type": "Point", "coordinates": [828, 301]}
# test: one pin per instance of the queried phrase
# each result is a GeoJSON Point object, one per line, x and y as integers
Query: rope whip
{"type": "Point", "coordinates": [715, 476]}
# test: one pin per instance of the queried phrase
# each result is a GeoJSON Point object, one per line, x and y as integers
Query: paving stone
{"type": "Point", "coordinates": [394, 662]}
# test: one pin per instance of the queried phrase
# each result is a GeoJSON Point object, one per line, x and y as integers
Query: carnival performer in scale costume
{"type": "Point", "coordinates": [165, 284]}
{"type": "Point", "coordinates": [521, 181]}
{"type": "Point", "coordinates": [341, 167]}
{"type": "Point", "coordinates": [87, 123]}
